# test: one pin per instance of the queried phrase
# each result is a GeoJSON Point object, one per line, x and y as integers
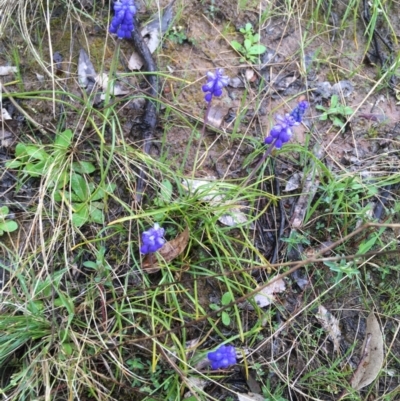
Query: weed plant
{"type": "Point", "coordinates": [80, 317]}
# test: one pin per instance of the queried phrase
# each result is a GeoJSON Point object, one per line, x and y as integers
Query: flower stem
{"type": "Point", "coordinates": [260, 163]}
{"type": "Point", "coordinates": [202, 134]}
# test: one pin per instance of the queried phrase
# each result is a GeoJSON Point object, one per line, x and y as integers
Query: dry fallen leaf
{"type": "Point", "coordinates": [5, 115]}
{"type": "Point", "coordinates": [115, 89]}
{"type": "Point", "coordinates": [266, 295]}
{"type": "Point", "coordinates": [7, 70]}
{"type": "Point", "coordinates": [331, 326]}
{"type": "Point", "coordinates": [372, 357]}
{"type": "Point", "coordinates": [168, 252]}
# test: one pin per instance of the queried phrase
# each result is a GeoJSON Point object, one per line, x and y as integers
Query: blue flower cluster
{"type": "Point", "coordinates": [215, 83]}
{"type": "Point", "coordinates": [152, 240]}
{"type": "Point", "coordinates": [223, 357]}
{"type": "Point", "coordinates": [122, 23]}
{"type": "Point", "coordinates": [282, 131]}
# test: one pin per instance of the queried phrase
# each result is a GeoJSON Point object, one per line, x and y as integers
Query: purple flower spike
{"type": "Point", "coordinates": [215, 83]}
{"type": "Point", "coordinates": [122, 23]}
{"type": "Point", "coordinates": [152, 240]}
{"type": "Point", "coordinates": [223, 357]}
{"type": "Point", "coordinates": [282, 131]}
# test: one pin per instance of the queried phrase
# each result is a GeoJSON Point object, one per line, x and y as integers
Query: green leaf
{"type": "Point", "coordinates": [226, 320]}
{"type": "Point", "coordinates": [347, 110]}
{"type": "Point", "coordinates": [257, 49]}
{"type": "Point", "coordinates": [83, 167]}
{"type": "Point", "coordinates": [4, 211]}
{"type": "Point", "coordinates": [81, 216]}
{"type": "Point", "coordinates": [96, 215]}
{"type": "Point", "coordinates": [256, 38]}
{"type": "Point", "coordinates": [226, 298]}
{"type": "Point", "coordinates": [36, 169]}
{"type": "Point", "coordinates": [14, 163]}
{"type": "Point", "coordinates": [90, 264]}
{"type": "Point", "coordinates": [334, 101]}
{"type": "Point", "coordinates": [20, 150]}
{"type": "Point", "coordinates": [63, 140]}
{"type": "Point", "coordinates": [238, 47]}
{"type": "Point", "coordinates": [249, 27]}
{"type": "Point", "coordinates": [166, 191]}
{"type": "Point", "coordinates": [247, 44]}
{"type": "Point", "coordinates": [337, 122]}
{"type": "Point", "coordinates": [8, 226]}
{"type": "Point", "coordinates": [101, 193]}
{"type": "Point", "coordinates": [67, 348]}
{"type": "Point", "coordinates": [36, 153]}
{"type": "Point", "coordinates": [79, 186]}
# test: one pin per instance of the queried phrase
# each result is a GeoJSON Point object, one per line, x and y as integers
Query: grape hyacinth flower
{"type": "Point", "coordinates": [215, 83]}
{"type": "Point", "coordinates": [152, 240]}
{"type": "Point", "coordinates": [223, 357]}
{"type": "Point", "coordinates": [122, 23]}
{"type": "Point", "coordinates": [282, 131]}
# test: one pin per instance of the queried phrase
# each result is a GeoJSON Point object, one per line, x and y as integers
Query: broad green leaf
{"type": "Point", "coordinates": [226, 320]}
{"type": "Point", "coordinates": [96, 215]}
{"type": "Point", "coordinates": [334, 101]}
{"type": "Point", "coordinates": [36, 153]}
{"type": "Point", "coordinates": [237, 46]}
{"type": "Point", "coordinates": [256, 38]}
{"type": "Point", "coordinates": [226, 298]}
{"type": "Point", "coordinates": [166, 191]}
{"type": "Point", "coordinates": [14, 163]}
{"type": "Point", "coordinates": [337, 122]}
{"type": "Point", "coordinates": [20, 150]}
{"type": "Point", "coordinates": [101, 193]}
{"type": "Point", "coordinates": [257, 49]}
{"type": "Point", "coordinates": [67, 348]}
{"type": "Point", "coordinates": [81, 216]}
{"type": "Point", "coordinates": [249, 27]}
{"type": "Point", "coordinates": [63, 140]}
{"type": "Point", "coordinates": [79, 186]}
{"type": "Point", "coordinates": [4, 211]}
{"type": "Point", "coordinates": [247, 44]}
{"type": "Point", "coordinates": [8, 226]}
{"type": "Point", "coordinates": [90, 264]}
{"type": "Point", "coordinates": [36, 169]}
{"type": "Point", "coordinates": [83, 167]}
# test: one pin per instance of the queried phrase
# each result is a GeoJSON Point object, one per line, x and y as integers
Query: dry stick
{"type": "Point", "coordinates": [297, 266]}
{"type": "Point", "coordinates": [149, 119]}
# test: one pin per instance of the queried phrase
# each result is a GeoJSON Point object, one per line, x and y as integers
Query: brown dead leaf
{"type": "Point", "coordinates": [372, 357]}
{"type": "Point", "coordinates": [330, 325]}
{"type": "Point", "coordinates": [168, 252]}
{"type": "Point", "coordinates": [266, 296]}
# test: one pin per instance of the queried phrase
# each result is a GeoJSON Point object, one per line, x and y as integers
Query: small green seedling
{"type": "Point", "coordinates": [69, 182]}
{"type": "Point", "coordinates": [342, 268]}
{"type": "Point", "coordinates": [336, 112]}
{"type": "Point", "coordinates": [177, 35]}
{"type": "Point", "coordinates": [225, 300]}
{"type": "Point", "coordinates": [6, 225]}
{"type": "Point", "coordinates": [251, 48]}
